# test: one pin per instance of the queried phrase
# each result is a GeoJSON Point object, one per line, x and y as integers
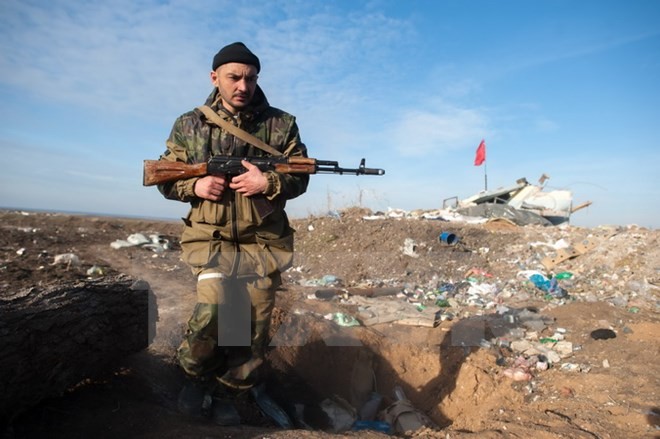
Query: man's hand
{"type": "Point", "coordinates": [251, 182]}
{"type": "Point", "coordinates": [210, 187]}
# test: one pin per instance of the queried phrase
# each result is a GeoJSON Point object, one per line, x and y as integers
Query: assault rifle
{"type": "Point", "coordinates": [163, 171]}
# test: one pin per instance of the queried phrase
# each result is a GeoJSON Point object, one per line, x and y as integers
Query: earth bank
{"type": "Point", "coordinates": [465, 336]}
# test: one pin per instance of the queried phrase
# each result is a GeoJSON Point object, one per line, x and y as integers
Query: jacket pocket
{"type": "Point", "coordinates": [278, 252]}
{"type": "Point", "coordinates": [202, 247]}
{"type": "Point", "coordinates": [199, 244]}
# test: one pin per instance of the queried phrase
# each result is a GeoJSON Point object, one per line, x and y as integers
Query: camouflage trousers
{"type": "Point", "coordinates": [229, 325]}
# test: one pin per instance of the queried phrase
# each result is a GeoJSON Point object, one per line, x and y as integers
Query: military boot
{"type": "Point", "coordinates": [223, 412]}
{"type": "Point", "coordinates": [243, 376]}
{"type": "Point", "coordinates": [244, 365]}
{"type": "Point", "coordinates": [195, 396]}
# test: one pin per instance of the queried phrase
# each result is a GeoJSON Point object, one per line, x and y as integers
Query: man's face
{"type": "Point", "coordinates": [236, 84]}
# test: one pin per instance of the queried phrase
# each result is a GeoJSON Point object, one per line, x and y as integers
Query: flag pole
{"type": "Point", "coordinates": [485, 175]}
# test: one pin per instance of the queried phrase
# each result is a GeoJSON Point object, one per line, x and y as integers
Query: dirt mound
{"type": "Point", "coordinates": [486, 337]}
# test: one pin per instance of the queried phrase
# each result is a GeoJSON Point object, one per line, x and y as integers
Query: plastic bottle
{"type": "Point", "coordinates": [370, 408]}
{"type": "Point", "coordinates": [399, 393]}
{"type": "Point", "coordinates": [381, 426]}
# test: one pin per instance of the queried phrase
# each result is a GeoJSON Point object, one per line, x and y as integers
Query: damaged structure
{"type": "Point", "coordinates": [523, 204]}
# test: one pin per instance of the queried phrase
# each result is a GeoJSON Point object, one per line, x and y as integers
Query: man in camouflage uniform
{"type": "Point", "coordinates": [235, 247]}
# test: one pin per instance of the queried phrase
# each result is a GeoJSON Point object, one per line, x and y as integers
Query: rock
{"type": "Point", "coordinates": [563, 348]}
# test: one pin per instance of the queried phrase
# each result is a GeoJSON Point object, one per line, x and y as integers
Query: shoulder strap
{"type": "Point", "coordinates": [236, 131]}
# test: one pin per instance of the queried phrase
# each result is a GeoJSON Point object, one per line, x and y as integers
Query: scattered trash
{"type": "Point", "coordinates": [542, 365]}
{"type": "Point", "coordinates": [373, 311]}
{"type": "Point", "coordinates": [325, 281]}
{"type": "Point", "coordinates": [570, 367]}
{"type": "Point", "coordinates": [381, 426]}
{"type": "Point", "coordinates": [603, 334]}
{"type": "Point", "coordinates": [448, 238]}
{"type": "Point", "coordinates": [403, 416]}
{"type": "Point", "coordinates": [563, 348]}
{"type": "Point", "coordinates": [325, 294]}
{"type": "Point", "coordinates": [517, 374]}
{"type": "Point", "coordinates": [550, 286]}
{"type": "Point", "coordinates": [342, 319]}
{"type": "Point", "coordinates": [153, 242]}
{"type": "Point", "coordinates": [68, 259]}
{"type": "Point", "coordinates": [340, 413]}
{"type": "Point", "coordinates": [443, 292]}
{"type": "Point", "coordinates": [564, 254]}
{"type": "Point", "coordinates": [95, 271]}
{"type": "Point", "coordinates": [329, 279]}
{"type": "Point", "coordinates": [369, 409]}
{"type": "Point", "coordinates": [410, 248]}
{"type": "Point", "coordinates": [559, 244]}
{"type": "Point", "coordinates": [525, 343]}
{"type": "Point", "coordinates": [475, 273]}
{"type": "Point", "coordinates": [270, 408]}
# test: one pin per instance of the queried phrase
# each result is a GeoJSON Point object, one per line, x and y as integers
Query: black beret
{"type": "Point", "coordinates": [236, 52]}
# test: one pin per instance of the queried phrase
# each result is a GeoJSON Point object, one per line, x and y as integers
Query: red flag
{"type": "Point", "coordinates": [480, 158]}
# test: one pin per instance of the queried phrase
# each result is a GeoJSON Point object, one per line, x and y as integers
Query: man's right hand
{"type": "Point", "coordinates": [210, 187]}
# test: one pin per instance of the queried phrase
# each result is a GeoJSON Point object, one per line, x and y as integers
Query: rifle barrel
{"type": "Point", "coordinates": [332, 167]}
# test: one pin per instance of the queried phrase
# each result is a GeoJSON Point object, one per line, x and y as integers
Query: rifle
{"type": "Point", "coordinates": [163, 171]}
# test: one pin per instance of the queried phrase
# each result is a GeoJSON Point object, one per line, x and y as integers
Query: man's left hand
{"type": "Point", "coordinates": [251, 182]}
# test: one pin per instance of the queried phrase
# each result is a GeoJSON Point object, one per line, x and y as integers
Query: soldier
{"type": "Point", "coordinates": [236, 238]}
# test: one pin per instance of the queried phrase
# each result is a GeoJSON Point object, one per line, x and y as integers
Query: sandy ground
{"type": "Point", "coordinates": [478, 349]}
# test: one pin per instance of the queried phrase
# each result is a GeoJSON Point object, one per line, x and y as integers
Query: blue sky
{"type": "Point", "coordinates": [568, 88]}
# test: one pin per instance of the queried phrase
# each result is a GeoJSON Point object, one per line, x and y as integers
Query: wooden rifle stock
{"type": "Point", "coordinates": [163, 171]}
{"type": "Point", "coordinates": [295, 165]}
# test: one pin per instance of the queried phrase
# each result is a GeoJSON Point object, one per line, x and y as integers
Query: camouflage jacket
{"type": "Point", "coordinates": [194, 139]}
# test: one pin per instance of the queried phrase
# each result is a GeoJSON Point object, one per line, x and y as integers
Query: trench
{"type": "Point", "coordinates": [327, 377]}
{"type": "Point", "coordinates": [323, 376]}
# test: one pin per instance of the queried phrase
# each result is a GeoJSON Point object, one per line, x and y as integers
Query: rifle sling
{"type": "Point", "coordinates": [261, 203]}
{"type": "Point", "coordinates": [236, 131]}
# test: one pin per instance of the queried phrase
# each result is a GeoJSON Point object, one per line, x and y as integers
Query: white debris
{"type": "Point", "coordinates": [153, 242]}
{"type": "Point", "coordinates": [95, 271]}
{"type": "Point", "coordinates": [410, 248]}
{"type": "Point", "coordinates": [558, 245]}
{"type": "Point", "coordinates": [137, 239]}
{"type": "Point", "coordinates": [563, 348]}
{"type": "Point", "coordinates": [396, 213]}
{"type": "Point", "coordinates": [67, 259]}
{"type": "Point", "coordinates": [120, 243]}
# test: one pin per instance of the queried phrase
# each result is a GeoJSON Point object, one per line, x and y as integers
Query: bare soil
{"type": "Point", "coordinates": [460, 372]}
